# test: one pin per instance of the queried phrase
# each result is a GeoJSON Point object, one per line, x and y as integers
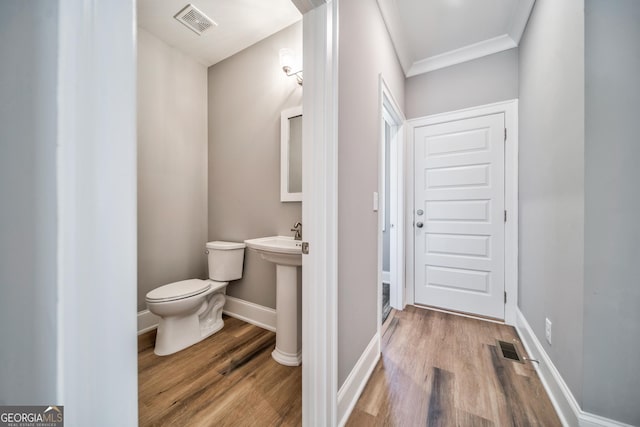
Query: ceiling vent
{"type": "Point", "coordinates": [195, 20]}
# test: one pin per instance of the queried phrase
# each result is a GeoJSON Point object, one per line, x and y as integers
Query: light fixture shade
{"type": "Point", "coordinates": [287, 58]}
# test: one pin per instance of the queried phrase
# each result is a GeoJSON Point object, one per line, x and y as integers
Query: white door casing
{"type": "Point", "coordinates": [459, 194]}
{"type": "Point", "coordinates": [320, 214]}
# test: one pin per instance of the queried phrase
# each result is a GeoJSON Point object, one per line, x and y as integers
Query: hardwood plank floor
{"type": "Point", "coordinates": [229, 379]}
{"type": "Point", "coordinates": [438, 369]}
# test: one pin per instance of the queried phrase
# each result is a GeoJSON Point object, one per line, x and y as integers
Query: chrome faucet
{"type": "Point", "coordinates": [297, 227]}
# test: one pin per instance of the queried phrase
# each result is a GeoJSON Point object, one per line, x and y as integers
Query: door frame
{"type": "Point", "coordinates": [320, 214]}
{"type": "Point", "coordinates": [81, 227]}
{"type": "Point", "coordinates": [388, 106]}
{"type": "Point", "coordinates": [510, 111]}
{"type": "Point", "coordinates": [96, 355]}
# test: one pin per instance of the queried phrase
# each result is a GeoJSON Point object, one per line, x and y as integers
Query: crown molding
{"type": "Point", "coordinates": [520, 19]}
{"type": "Point", "coordinates": [413, 67]}
{"type": "Point", "coordinates": [305, 6]}
{"type": "Point", "coordinates": [391, 17]}
{"type": "Point", "coordinates": [463, 54]}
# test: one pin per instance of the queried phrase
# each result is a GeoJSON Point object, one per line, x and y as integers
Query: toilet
{"type": "Point", "coordinates": [191, 310]}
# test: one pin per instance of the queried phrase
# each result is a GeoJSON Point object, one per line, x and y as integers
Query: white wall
{"type": "Point", "coordinates": [172, 165]}
{"type": "Point", "coordinates": [246, 94]}
{"type": "Point", "coordinates": [482, 81]}
{"type": "Point", "coordinates": [612, 206]}
{"type": "Point", "coordinates": [28, 237]}
{"type": "Point", "coordinates": [551, 246]}
{"type": "Point", "coordinates": [365, 51]}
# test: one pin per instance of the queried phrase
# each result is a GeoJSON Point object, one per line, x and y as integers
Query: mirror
{"type": "Point", "coordinates": [291, 155]}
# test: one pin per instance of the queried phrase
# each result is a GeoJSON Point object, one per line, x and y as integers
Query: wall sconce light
{"type": "Point", "coordinates": [290, 64]}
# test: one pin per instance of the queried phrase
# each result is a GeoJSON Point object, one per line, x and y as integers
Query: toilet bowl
{"type": "Point", "coordinates": [191, 310]}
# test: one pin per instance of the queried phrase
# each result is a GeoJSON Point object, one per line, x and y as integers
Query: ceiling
{"type": "Point", "coordinates": [241, 23]}
{"type": "Point", "coordinates": [427, 34]}
{"type": "Point", "coordinates": [433, 34]}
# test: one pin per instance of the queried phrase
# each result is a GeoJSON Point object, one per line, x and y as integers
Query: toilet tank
{"type": "Point", "coordinates": [225, 260]}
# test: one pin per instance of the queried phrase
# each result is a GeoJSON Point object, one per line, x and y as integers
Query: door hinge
{"type": "Point", "coordinates": [505, 134]}
{"type": "Point", "coordinates": [505, 215]}
{"type": "Point", "coordinates": [305, 248]}
{"type": "Point", "coordinates": [505, 297]}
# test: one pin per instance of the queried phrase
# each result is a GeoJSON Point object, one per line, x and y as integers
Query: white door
{"type": "Point", "coordinates": [459, 215]}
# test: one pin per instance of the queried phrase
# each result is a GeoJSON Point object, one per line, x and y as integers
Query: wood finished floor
{"type": "Point", "coordinates": [229, 379]}
{"type": "Point", "coordinates": [438, 369]}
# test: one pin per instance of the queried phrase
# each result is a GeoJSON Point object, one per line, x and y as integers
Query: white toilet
{"type": "Point", "coordinates": [191, 310]}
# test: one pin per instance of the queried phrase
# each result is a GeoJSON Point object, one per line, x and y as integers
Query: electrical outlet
{"type": "Point", "coordinates": [547, 330]}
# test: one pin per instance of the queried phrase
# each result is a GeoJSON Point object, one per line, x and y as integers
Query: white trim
{"type": "Point", "coordinates": [463, 54]}
{"type": "Point", "coordinates": [96, 195]}
{"type": "Point", "coordinates": [393, 22]}
{"type": "Point", "coordinates": [520, 19]}
{"type": "Point", "coordinates": [558, 391]}
{"type": "Point", "coordinates": [591, 420]}
{"type": "Point", "coordinates": [259, 315]}
{"type": "Point", "coordinates": [563, 400]}
{"type": "Point", "coordinates": [415, 66]}
{"type": "Point", "coordinates": [305, 6]}
{"type": "Point", "coordinates": [357, 380]}
{"type": "Point", "coordinates": [408, 214]}
{"type": "Point", "coordinates": [391, 111]}
{"type": "Point", "coordinates": [510, 111]}
{"type": "Point", "coordinates": [320, 217]}
{"type": "Point", "coordinates": [147, 321]}
{"type": "Point", "coordinates": [285, 115]}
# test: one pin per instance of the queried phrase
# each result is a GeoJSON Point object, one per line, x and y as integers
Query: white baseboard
{"type": "Point", "coordinates": [356, 381]}
{"type": "Point", "coordinates": [563, 400]}
{"type": "Point", "coordinates": [261, 316]}
{"type": "Point", "coordinates": [386, 277]}
{"type": "Point", "coordinates": [147, 321]}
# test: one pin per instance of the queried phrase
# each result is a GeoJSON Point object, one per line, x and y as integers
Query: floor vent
{"type": "Point", "coordinates": [509, 351]}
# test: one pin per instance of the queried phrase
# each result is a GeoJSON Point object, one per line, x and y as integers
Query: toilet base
{"type": "Point", "coordinates": [176, 333]}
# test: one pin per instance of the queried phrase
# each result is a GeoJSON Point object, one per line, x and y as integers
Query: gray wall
{"type": "Point", "coordinates": [172, 165]}
{"type": "Point", "coordinates": [612, 204]}
{"type": "Point", "coordinates": [247, 93]}
{"type": "Point", "coordinates": [485, 80]}
{"type": "Point", "coordinates": [365, 51]}
{"type": "Point", "coordinates": [28, 80]}
{"type": "Point", "coordinates": [551, 163]}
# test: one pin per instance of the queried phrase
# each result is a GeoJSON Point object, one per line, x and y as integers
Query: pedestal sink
{"type": "Point", "coordinates": [286, 253]}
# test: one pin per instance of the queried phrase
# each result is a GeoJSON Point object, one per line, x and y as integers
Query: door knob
{"type": "Point", "coordinates": [419, 224]}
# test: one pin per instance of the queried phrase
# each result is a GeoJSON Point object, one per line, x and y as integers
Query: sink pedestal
{"type": "Point", "coordinates": [286, 254]}
{"type": "Point", "coordinates": [288, 350]}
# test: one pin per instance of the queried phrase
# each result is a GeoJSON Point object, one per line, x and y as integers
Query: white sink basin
{"type": "Point", "coordinates": [286, 254]}
{"type": "Point", "coordinates": [282, 250]}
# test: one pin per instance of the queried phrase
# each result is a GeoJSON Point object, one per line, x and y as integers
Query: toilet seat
{"type": "Point", "coordinates": [178, 290]}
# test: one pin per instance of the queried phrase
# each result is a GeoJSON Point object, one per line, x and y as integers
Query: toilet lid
{"type": "Point", "coordinates": [178, 290]}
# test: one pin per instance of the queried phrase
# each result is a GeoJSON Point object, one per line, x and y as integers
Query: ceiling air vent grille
{"type": "Point", "coordinates": [193, 19]}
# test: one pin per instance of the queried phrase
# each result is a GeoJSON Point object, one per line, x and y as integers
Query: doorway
{"type": "Point", "coordinates": [391, 203]}
{"type": "Point", "coordinates": [459, 221]}
{"type": "Point", "coordinates": [464, 210]}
